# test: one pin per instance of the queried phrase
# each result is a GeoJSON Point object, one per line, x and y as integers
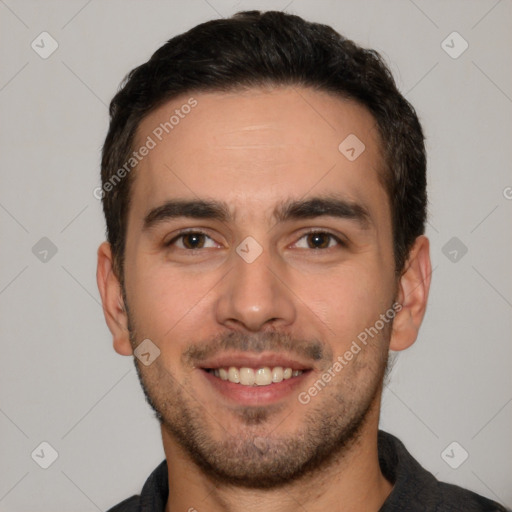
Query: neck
{"type": "Point", "coordinates": [351, 482]}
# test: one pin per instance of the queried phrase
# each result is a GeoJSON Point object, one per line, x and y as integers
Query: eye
{"type": "Point", "coordinates": [319, 240]}
{"type": "Point", "coordinates": [190, 240]}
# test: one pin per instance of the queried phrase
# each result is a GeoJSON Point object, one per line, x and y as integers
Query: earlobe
{"type": "Point", "coordinates": [413, 290]}
{"type": "Point", "coordinates": [112, 299]}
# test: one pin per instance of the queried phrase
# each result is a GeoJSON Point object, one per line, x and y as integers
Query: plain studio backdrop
{"type": "Point", "coordinates": [449, 397]}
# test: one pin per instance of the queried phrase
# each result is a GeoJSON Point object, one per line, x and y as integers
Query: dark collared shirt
{"type": "Point", "coordinates": [415, 489]}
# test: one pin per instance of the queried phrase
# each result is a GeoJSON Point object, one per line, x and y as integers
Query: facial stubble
{"type": "Point", "coordinates": [255, 456]}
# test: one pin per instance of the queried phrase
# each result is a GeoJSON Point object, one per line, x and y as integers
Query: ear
{"type": "Point", "coordinates": [413, 288]}
{"type": "Point", "coordinates": [112, 299]}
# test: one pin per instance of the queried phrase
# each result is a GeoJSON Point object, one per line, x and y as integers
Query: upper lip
{"type": "Point", "coordinates": [244, 359]}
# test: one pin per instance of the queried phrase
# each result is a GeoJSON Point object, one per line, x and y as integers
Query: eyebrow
{"type": "Point", "coordinates": [291, 209]}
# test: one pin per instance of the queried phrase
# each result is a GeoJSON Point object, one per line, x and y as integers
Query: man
{"type": "Point", "coordinates": [264, 188]}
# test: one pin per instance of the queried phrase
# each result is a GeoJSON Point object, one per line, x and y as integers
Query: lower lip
{"type": "Point", "coordinates": [256, 395]}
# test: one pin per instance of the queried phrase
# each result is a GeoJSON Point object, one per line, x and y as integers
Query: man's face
{"type": "Point", "coordinates": [265, 286]}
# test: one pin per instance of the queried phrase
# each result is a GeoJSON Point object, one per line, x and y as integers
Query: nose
{"type": "Point", "coordinates": [255, 295]}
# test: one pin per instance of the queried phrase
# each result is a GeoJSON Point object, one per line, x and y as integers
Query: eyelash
{"type": "Point", "coordinates": [181, 234]}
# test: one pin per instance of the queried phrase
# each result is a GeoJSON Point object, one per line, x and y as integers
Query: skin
{"type": "Point", "coordinates": [253, 149]}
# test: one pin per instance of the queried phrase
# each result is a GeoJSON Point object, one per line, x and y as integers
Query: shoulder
{"type": "Point", "coordinates": [153, 496]}
{"type": "Point", "coordinates": [452, 497]}
{"type": "Point", "coordinates": [128, 505]}
{"type": "Point", "coordinates": [417, 490]}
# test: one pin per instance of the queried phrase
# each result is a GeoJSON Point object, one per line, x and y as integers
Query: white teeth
{"type": "Point", "coordinates": [247, 377]}
{"type": "Point", "coordinates": [255, 377]}
{"type": "Point", "coordinates": [263, 376]}
{"type": "Point", "coordinates": [277, 374]}
{"type": "Point", "coordinates": [233, 375]}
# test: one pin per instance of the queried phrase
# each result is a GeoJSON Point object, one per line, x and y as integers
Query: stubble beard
{"type": "Point", "coordinates": [252, 459]}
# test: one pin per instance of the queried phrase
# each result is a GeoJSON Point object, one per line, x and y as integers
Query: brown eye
{"type": "Point", "coordinates": [191, 240]}
{"type": "Point", "coordinates": [319, 240]}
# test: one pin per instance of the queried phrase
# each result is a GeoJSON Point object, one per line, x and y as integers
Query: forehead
{"type": "Point", "coordinates": [250, 148]}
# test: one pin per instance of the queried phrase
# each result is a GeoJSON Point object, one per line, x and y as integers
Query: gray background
{"type": "Point", "coordinates": [60, 380]}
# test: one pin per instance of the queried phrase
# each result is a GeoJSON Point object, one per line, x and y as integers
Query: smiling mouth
{"type": "Point", "coordinates": [246, 376]}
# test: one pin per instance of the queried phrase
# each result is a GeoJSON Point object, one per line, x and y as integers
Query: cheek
{"type": "Point", "coordinates": [346, 303]}
{"type": "Point", "coordinates": [168, 304]}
